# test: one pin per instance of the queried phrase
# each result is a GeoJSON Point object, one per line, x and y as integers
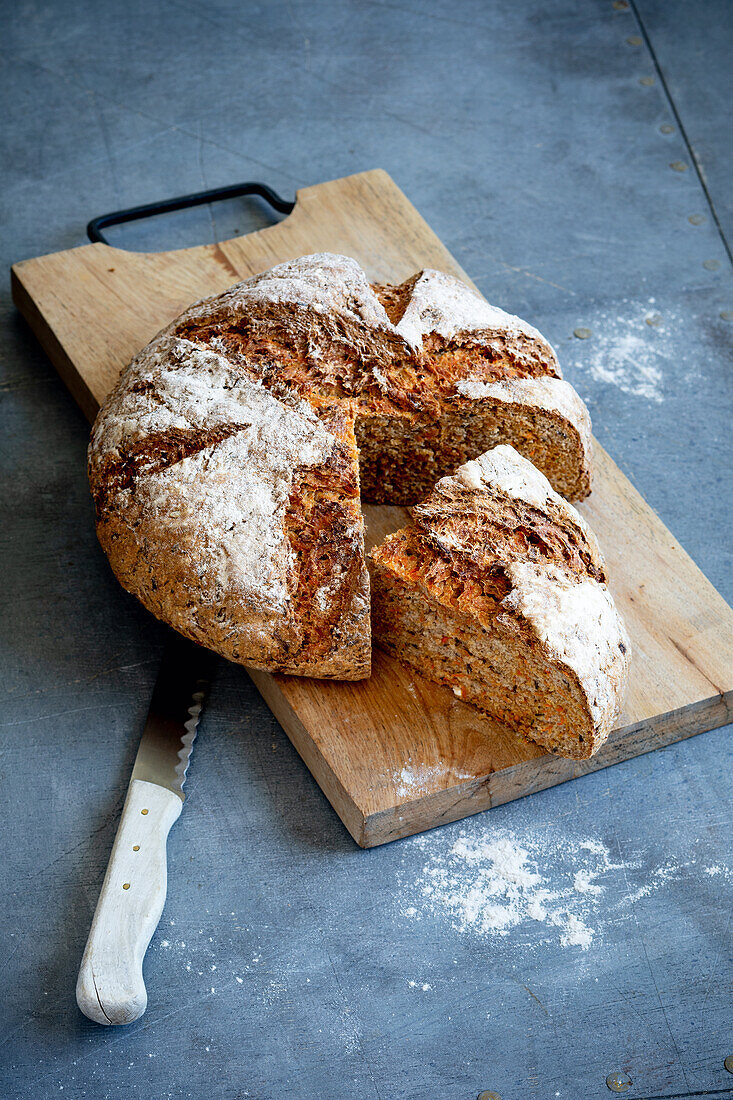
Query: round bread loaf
{"type": "Point", "coordinates": [226, 464]}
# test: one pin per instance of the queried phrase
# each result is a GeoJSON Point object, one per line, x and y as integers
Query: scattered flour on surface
{"type": "Point", "coordinates": [656, 878]}
{"type": "Point", "coordinates": [630, 352]}
{"type": "Point", "coordinates": [576, 934]}
{"type": "Point", "coordinates": [489, 886]}
{"type": "Point", "coordinates": [583, 883]}
{"type": "Point", "coordinates": [547, 886]}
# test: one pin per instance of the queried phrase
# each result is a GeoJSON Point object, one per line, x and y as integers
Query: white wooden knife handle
{"type": "Point", "coordinates": [110, 987]}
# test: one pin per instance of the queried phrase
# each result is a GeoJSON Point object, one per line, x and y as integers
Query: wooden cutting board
{"type": "Point", "coordinates": [396, 754]}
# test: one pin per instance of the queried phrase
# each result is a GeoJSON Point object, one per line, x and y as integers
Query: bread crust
{"type": "Point", "coordinates": [224, 464]}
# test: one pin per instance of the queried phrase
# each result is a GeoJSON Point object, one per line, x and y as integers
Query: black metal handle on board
{"type": "Point", "coordinates": [183, 202]}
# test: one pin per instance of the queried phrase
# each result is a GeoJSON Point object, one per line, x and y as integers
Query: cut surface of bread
{"type": "Point", "coordinates": [227, 465]}
{"type": "Point", "coordinates": [498, 590]}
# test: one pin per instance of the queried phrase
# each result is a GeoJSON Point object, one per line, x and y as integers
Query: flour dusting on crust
{"type": "Point", "coordinates": [226, 503]}
{"type": "Point", "coordinates": [504, 469]}
{"type": "Point", "coordinates": [578, 622]}
{"type": "Point", "coordinates": [445, 305]}
{"type": "Point", "coordinates": [323, 298]}
{"type": "Point", "coordinates": [176, 383]}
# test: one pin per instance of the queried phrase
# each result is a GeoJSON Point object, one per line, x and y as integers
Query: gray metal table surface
{"type": "Point", "coordinates": [573, 157]}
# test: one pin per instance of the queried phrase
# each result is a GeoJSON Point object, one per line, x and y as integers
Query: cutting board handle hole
{"type": "Point", "coordinates": [234, 219]}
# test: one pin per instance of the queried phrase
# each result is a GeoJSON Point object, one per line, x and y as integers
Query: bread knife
{"type": "Point", "coordinates": [110, 987]}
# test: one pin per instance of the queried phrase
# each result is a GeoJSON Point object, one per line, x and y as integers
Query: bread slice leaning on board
{"type": "Point", "coordinates": [227, 464]}
{"type": "Point", "coordinates": [498, 590]}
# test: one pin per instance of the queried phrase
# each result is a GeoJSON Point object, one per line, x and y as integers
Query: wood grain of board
{"type": "Point", "coordinates": [396, 754]}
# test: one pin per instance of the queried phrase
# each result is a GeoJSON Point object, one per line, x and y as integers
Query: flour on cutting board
{"type": "Point", "coordinates": [489, 882]}
{"type": "Point", "coordinates": [629, 351]}
{"type": "Point", "coordinates": [417, 779]}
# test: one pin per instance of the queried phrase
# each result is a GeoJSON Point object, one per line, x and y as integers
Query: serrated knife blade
{"type": "Point", "coordinates": [110, 987]}
{"type": "Point", "coordinates": [175, 711]}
